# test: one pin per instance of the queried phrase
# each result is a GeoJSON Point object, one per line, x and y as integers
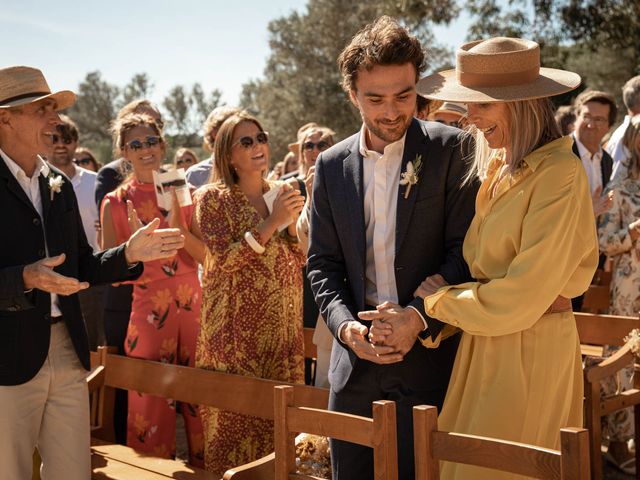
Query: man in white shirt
{"type": "Point", "coordinates": [615, 147]}
{"type": "Point", "coordinates": [388, 211]}
{"type": "Point", "coordinates": [44, 261]}
{"type": "Point", "coordinates": [595, 114]}
{"type": "Point", "coordinates": [64, 144]}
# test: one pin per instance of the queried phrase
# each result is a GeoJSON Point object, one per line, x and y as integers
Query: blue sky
{"type": "Point", "coordinates": [221, 44]}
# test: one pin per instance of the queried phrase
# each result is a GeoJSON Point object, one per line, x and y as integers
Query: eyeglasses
{"type": "Point", "coordinates": [184, 161]}
{"type": "Point", "coordinates": [247, 142]}
{"type": "Point", "coordinates": [599, 121]}
{"type": "Point", "coordinates": [83, 161]}
{"type": "Point", "coordinates": [322, 145]}
{"type": "Point", "coordinates": [150, 141]}
{"type": "Point", "coordinates": [66, 139]}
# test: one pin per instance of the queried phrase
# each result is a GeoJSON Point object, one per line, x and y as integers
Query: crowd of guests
{"type": "Point", "coordinates": [407, 245]}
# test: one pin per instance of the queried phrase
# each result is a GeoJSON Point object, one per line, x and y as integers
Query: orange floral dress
{"type": "Point", "coordinates": [164, 325]}
{"type": "Point", "coordinates": [251, 318]}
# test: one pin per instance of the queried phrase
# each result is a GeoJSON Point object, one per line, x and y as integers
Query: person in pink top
{"type": "Point", "coordinates": [164, 322]}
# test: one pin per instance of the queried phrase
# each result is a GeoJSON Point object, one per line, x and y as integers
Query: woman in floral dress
{"type": "Point", "coordinates": [619, 231]}
{"type": "Point", "coordinates": [252, 285]}
{"type": "Point", "coordinates": [164, 321]}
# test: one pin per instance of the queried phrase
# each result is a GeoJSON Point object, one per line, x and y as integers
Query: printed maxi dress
{"type": "Point", "coordinates": [616, 242]}
{"type": "Point", "coordinates": [251, 318]}
{"type": "Point", "coordinates": [164, 325]}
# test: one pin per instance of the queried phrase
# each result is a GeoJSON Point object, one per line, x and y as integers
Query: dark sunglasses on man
{"type": "Point", "coordinates": [247, 142]}
{"type": "Point", "coordinates": [150, 141]}
{"type": "Point", "coordinates": [81, 162]}
{"type": "Point", "coordinates": [322, 145]}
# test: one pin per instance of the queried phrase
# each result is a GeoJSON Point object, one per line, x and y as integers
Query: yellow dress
{"type": "Point", "coordinates": [517, 374]}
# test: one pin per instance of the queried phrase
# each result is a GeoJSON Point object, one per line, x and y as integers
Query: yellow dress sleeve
{"type": "Point", "coordinates": [558, 254]}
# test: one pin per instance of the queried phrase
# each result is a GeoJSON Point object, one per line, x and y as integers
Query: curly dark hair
{"type": "Point", "coordinates": [383, 42]}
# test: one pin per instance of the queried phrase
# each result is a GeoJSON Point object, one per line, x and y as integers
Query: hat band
{"type": "Point", "coordinates": [467, 79]}
{"type": "Point", "coordinates": [8, 101]}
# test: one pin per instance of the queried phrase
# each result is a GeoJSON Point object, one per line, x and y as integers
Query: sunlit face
{"type": "Point", "coordinates": [493, 120]}
{"type": "Point", "coordinates": [185, 161]}
{"type": "Point", "coordinates": [248, 160]}
{"type": "Point", "coordinates": [144, 157]}
{"type": "Point", "coordinates": [312, 146]}
{"type": "Point", "coordinates": [64, 147]}
{"type": "Point", "coordinates": [592, 123]}
{"type": "Point", "coordinates": [386, 98]}
{"type": "Point", "coordinates": [32, 128]}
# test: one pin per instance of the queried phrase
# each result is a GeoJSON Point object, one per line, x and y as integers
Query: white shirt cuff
{"type": "Point", "coordinates": [424, 322]}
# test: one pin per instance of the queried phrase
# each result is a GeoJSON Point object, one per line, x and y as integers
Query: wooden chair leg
{"type": "Point", "coordinates": [425, 421]}
{"type": "Point", "coordinates": [593, 419]}
{"type": "Point", "coordinates": [285, 462]}
{"type": "Point", "coordinates": [575, 454]}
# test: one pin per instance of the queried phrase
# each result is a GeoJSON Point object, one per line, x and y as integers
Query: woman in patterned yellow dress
{"type": "Point", "coordinates": [252, 285]}
{"type": "Point", "coordinates": [165, 313]}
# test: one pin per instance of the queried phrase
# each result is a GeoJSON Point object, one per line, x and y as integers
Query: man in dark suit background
{"type": "Point", "coordinates": [44, 261]}
{"type": "Point", "coordinates": [596, 113]}
{"type": "Point", "coordinates": [389, 210]}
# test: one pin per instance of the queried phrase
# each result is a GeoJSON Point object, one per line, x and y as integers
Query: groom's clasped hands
{"type": "Point", "coordinates": [394, 328]}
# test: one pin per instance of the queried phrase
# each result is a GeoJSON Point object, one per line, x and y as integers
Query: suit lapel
{"type": "Point", "coordinates": [354, 194]}
{"type": "Point", "coordinates": [414, 145]}
{"type": "Point", "coordinates": [45, 194]}
{"type": "Point", "coordinates": [13, 186]}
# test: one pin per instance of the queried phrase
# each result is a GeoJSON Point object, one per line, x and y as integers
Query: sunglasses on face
{"type": "Point", "coordinates": [183, 161]}
{"type": "Point", "coordinates": [82, 161]}
{"type": "Point", "coordinates": [66, 139]}
{"type": "Point", "coordinates": [322, 145]}
{"type": "Point", "coordinates": [247, 142]}
{"type": "Point", "coordinates": [150, 141]}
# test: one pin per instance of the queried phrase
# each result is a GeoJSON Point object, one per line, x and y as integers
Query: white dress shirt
{"type": "Point", "coordinates": [591, 164]}
{"type": "Point", "coordinates": [381, 179]}
{"type": "Point", "coordinates": [84, 182]}
{"type": "Point", "coordinates": [619, 152]}
{"type": "Point", "coordinates": [31, 188]}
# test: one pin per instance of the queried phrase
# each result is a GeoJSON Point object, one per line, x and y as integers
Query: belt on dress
{"type": "Point", "coordinates": [560, 304]}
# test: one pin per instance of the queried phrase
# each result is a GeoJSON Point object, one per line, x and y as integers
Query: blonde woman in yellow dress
{"type": "Point", "coordinates": [532, 246]}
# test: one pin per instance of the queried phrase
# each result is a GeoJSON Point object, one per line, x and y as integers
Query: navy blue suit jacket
{"type": "Point", "coordinates": [430, 228]}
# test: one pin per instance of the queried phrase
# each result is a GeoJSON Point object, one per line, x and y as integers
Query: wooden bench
{"type": "Point", "coordinates": [244, 395]}
{"type": "Point", "coordinates": [597, 331]}
{"type": "Point", "coordinates": [431, 446]}
{"type": "Point", "coordinates": [378, 432]}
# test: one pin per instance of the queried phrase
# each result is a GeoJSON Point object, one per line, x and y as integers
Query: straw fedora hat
{"type": "Point", "coordinates": [22, 85]}
{"type": "Point", "coordinates": [499, 69]}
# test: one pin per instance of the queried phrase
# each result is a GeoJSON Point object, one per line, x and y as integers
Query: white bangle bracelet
{"type": "Point", "coordinates": [253, 243]}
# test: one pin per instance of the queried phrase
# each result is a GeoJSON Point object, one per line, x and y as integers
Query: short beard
{"type": "Point", "coordinates": [62, 161]}
{"type": "Point", "coordinates": [384, 135]}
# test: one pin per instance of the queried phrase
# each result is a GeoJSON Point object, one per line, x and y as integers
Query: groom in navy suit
{"type": "Point", "coordinates": [389, 211]}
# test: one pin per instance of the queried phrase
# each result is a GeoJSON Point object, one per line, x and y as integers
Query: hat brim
{"type": "Point", "coordinates": [444, 86]}
{"type": "Point", "coordinates": [64, 99]}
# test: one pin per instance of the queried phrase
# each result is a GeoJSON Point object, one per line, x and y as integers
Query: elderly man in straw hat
{"type": "Point", "coordinates": [532, 246]}
{"type": "Point", "coordinates": [44, 262]}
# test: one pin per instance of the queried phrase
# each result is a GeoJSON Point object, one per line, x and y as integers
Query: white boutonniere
{"type": "Point", "coordinates": [410, 176]}
{"type": "Point", "coordinates": [55, 184]}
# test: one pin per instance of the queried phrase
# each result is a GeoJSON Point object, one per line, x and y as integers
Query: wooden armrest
{"type": "Point", "coordinates": [95, 379]}
{"type": "Point", "coordinates": [609, 366]}
{"type": "Point", "coordinates": [261, 469]}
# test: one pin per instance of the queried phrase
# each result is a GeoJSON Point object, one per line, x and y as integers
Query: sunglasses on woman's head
{"type": "Point", "coordinates": [247, 142]}
{"type": "Point", "coordinates": [150, 141]}
{"type": "Point", "coordinates": [321, 145]}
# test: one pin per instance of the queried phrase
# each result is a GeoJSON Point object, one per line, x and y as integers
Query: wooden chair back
{"type": "Point", "coordinates": [599, 330]}
{"type": "Point", "coordinates": [378, 432]}
{"type": "Point", "coordinates": [432, 446]}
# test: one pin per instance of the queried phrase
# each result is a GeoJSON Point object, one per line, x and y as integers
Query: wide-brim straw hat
{"type": "Point", "coordinates": [499, 69]}
{"type": "Point", "coordinates": [21, 85]}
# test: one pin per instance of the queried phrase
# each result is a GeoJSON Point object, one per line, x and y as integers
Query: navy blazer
{"type": "Point", "coordinates": [430, 228]}
{"type": "Point", "coordinates": [25, 319]}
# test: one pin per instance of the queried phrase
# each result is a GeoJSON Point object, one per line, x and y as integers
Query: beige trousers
{"type": "Point", "coordinates": [50, 412]}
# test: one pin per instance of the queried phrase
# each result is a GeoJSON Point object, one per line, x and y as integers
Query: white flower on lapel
{"type": "Point", "coordinates": [55, 184]}
{"type": "Point", "coordinates": [410, 176]}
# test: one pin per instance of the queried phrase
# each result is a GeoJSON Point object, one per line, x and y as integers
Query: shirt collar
{"type": "Point", "coordinates": [365, 151]}
{"type": "Point", "coordinates": [41, 166]}
{"type": "Point", "coordinates": [583, 151]}
{"type": "Point", "coordinates": [535, 158]}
